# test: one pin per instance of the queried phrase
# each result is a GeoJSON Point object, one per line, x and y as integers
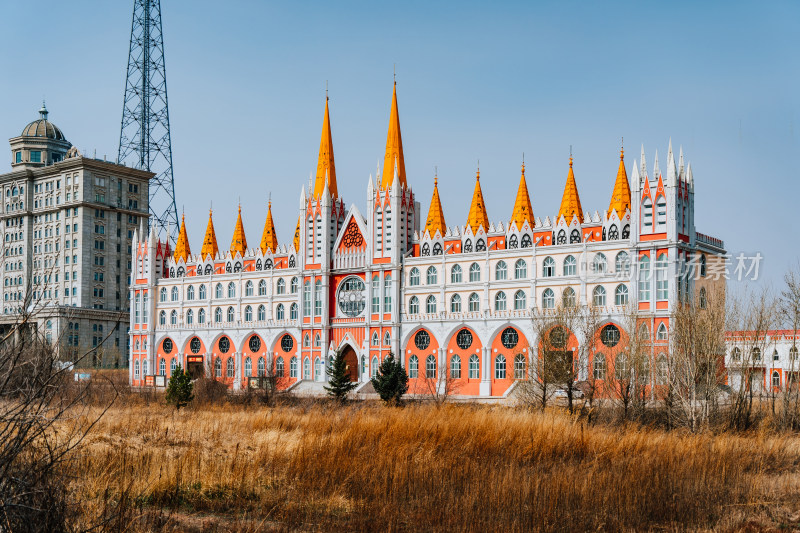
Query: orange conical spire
{"type": "Point", "coordinates": [394, 149]}
{"type": "Point", "coordinates": [326, 170]}
{"type": "Point", "coordinates": [239, 241]}
{"type": "Point", "coordinates": [435, 220]}
{"type": "Point", "coordinates": [621, 197]}
{"type": "Point", "coordinates": [296, 240]}
{"type": "Point", "coordinates": [477, 210]}
{"type": "Point", "coordinates": [269, 240]}
{"type": "Point", "coordinates": [523, 212]}
{"type": "Point", "coordinates": [182, 250]}
{"type": "Point", "coordinates": [210, 240]}
{"type": "Point", "coordinates": [571, 201]}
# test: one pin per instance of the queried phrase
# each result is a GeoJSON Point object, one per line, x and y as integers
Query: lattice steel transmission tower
{"type": "Point", "coordinates": [144, 139]}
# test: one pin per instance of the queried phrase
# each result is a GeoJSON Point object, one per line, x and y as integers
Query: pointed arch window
{"type": "Point", "coordinates": [599, 263]}
{"type": "Point", "coordinates": [474, 303]}
{"type": "Point", "coordinates": [190, 292]}
{"type": "Point", "coordinates": [295, 285]}
{"type": "Point", "coordinates": [162, 318]}
{"type": "Point", "coordinates": [526, 241]}
{"type": "Point", "coordinates": [569, 298]}
{"type": "Point", "coordinates": [387, 339]}
{"type": "Point", "coordinates": [279, 312]}
{"type": "Point", "coordinates": [248, 288]}
{"type": "Point", "coordinates": [480, 245]}
{"type": "Point", "coordinates": [293, 367]}
{"type": "Point", "coordinates": [455, 367]}
{"type": "Point", "coordinates": [520, 300]}
{"type": "Point", "coordinates": [413, 367]}
{"type": "Point", "coordinates": [413, 277]}
{"type": "Point", "coordinates": [437, 248]}
{"type": "Point", "coordinates": [162, 295]}
{"type": "Point", "coordinates": [622, 264]}
{"type": "Point", "coordinates": [519, 366]}
{"type": "Point", "coordinates": [228, 268]}
{"type": "Point", "coordinates": [413, 306]}
{"type": "Point", "coordinates": [613, 232]}
{"type": "Point", "coordinates": [621, 295]}
{"type": "Point", "coordinates": [661, 332]}
{"type": "Point", "coordinates": [231, 314]}
{"type": "Point", "coordinates": [201, 316]}
{"type": "Point", "coordinates": [474, 367]}
{"type": "Point", "coordinates": [317, 341]}
{"type": "Point", "coordinates": [467, 246]}
{"type": "Point", "coordinates": [248, 314]}
{"type": "Point", "coordinates": [702, 299]}
{"type": "Point", "coordinates": [575, 237]}
{"type": "Point", "coordinates": [431, 277]}
{"type": "Point", "coordinates": [474, 272]}
{"type": "Point", "coordinates": [262, 313]}
{"type": "Point", "coordinates": [549, 267]}
{"type": "Point", "coordinates": [237, 267]}
{"type": "Point", "coordinates": [202, 292]}
{"type": "Point", "coordinates": [599, 296]}
{"type": "Point", "coordinates": [231, 290]}
{"type": "Point", "coordinates": [513, 242]}
{"type": "Point", "coordinates": [426, 250]}
{"type": "Point", "coordinates": [702, 265]}
{"type": "Point", "coordinates": [376, 341]}
{"type": "Point", "coordinates": [174, 295]}
{"type": "Point", "coordinates": [208, 270]}
{"type": "Point", "coordinates": [520, 269]}
{"type": "Point", "coordinates": [306, 341]}
{"type": "Point", "coordinates": [501, 271]}
{"type": "Point", "coordinates": [561, 238]}
{"type": "Point", "coordinates": [500, 367]}
{"type": "Point", "coordinates": [430, 304]}
{"type": "Point", "coordinates": [548, 299]}
{"type": "Point", "coordinates": [570, 266]}
{"type": "Point", "coordinates": [268, 265]}
{"type": "Point", "coordinates": [626, 231]}
{"type": "Point", "coordinates": [173, 318]}
{"type": "Point", "coordinates": [293, 312]}
{"type": "Point", "coordinates": [430, 367]}
{"type": "Point", "coordinates": [455, 303]}
{"type": "Point", "coordinates": [259, 264]}
{"type": "Point", "coordinates": [218, 291]}
{"type": "Point", "coordinates": [500, 301]}
{"type": "Point", "coordinates": [189, 317]}
{"type": "Point", "coordinates": [456, 274]}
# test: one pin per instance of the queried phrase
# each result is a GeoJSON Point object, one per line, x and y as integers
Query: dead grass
{"type": "Point", "coordinates": [454, 468]}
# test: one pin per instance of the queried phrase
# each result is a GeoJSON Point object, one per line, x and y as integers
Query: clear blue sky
{"type": "Point", "coordinates": [475, 81]}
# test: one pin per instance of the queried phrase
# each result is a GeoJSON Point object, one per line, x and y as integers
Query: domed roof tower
{"type": "Point", "coordinates": [41, 143]}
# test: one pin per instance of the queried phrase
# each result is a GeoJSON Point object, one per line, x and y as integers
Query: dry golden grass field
{"type": "Point", "coordinates": [365, 467]}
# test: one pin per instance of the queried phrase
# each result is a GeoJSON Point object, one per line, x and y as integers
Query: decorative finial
{"type": "Point", "coordinates": [435, 176]}
{"type": "Point", "coordinates": [622, 148]}
{"type": "Point", "coordinates": [394, 72]}
{"type": "Point", "coordinates": [570, 156]}
{"type": "Point", "coordinates": [269, 201]}
{"type": "Point", "coordinates": [523, 162]}
{"type": "Point", "coordinates": [478, 175]}
{"type": "Point", "coordinates": [326, 90]}
{"type": "Point", "coordinates": [43, 110]}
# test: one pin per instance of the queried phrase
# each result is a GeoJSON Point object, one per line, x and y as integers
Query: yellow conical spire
{"type": "Point", "coordinates": [239, 241]}
{"type": "Point", "coordinates": [523, 212]}
{"type": "Point", "coordinates": [210, 240]}
{"type": "Point", "coordinates": [394, 149]}
{"type": "Point", "coordinates": [182, 250]}
{"type": "Point", "coordinates": [621, 197]}
{"type": "Point", "coordinates": [571, 201]}
{"type": "Point", "coordinates": [296, 240]}
{"type": "Point", "coordinates": [269, 240]}
{"type": "Point", "coordinates": [326, 170]}
{"type": "Point", "coordinates": [477, 210]}
{"type": "Point", "coordinates": [435, 220]}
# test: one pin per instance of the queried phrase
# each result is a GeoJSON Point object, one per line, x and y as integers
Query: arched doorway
{"type": "Point", "coordinates": [351, 359]}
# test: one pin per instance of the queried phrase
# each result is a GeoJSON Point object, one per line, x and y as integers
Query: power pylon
{"type": "Point", "coordinates": [144, 139]}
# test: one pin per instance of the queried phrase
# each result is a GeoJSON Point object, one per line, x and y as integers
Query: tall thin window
{"type": "Point", "coordinates": [644, 278]}
{"type": "Point", "coordinates": [455, 274]}
{"type": "Point", "coordinates": [306, 298]}
{"type": "Point", "coordinates": [662, 283]}
{"type": "Point", "coordinates": [387, 293]}
{"type": "Point", "coordinates": [376, 294]}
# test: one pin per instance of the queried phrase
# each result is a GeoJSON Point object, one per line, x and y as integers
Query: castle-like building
{"type": "Point", "coordinates": [459, 299]}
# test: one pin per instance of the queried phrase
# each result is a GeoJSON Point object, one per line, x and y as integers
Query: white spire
{"type": "Point", "coordinates": [681, 169]}
{"type": "Point", "coordinates": [303, 197]}
{"type": "Point", "coordinates": [644, 164]}
{"type": "Point", "coordinates": [656, 170]}
{"type": "Point", "coordinates": [672, 174]}
{"type": "Point", "coordinates": [635, 179]}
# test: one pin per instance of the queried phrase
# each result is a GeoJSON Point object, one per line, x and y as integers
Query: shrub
{"type": "Point", "coordinates": [391, 383]}
{"type": "Point", "coordinates": [180, 390]}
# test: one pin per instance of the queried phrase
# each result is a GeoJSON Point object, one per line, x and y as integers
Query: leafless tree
{"type": "Point", "coordinates": [438, 384]}
{"type": "Point", "coordinates": [630, 377]}
{"type": "Point", "coordinates": [789, 417]}
{"type": "Point", "coordinates": [696, 362]}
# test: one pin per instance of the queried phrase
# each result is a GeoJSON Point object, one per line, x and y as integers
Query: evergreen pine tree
{"type": "Point", "coordinates": [339, 384]}
{"type": "Point", "coordinates": [391, 383]}
{"type": "Point", "coordinates": [180, 390]}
